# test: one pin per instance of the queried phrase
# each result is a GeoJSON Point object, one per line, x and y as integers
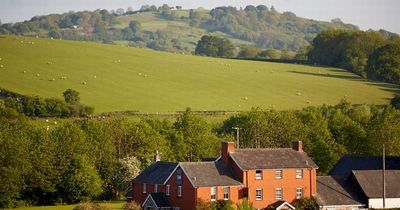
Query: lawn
{"type": "Point", "coordinates": [117, 78]}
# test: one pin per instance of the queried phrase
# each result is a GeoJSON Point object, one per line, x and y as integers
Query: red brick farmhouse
{"type": "Point", "coordinates": [264, 176]}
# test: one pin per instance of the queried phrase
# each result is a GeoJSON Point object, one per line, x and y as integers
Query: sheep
{"type": "Point", "coordinates": [299, 94]}
{"type": "Point", "coordinates": [47, 120]}
{"type": "Point", "coordinates": [140, 74]}
{"type": "Point", "coordinates": [23, 72]}
{"type": "Point", "coordinates": [84, 83]}
{"type": "Point", "coordinates": [95, 76]}
{"type": "Point", "coordinates": [38, 75]}
{"type": "Point", "coordinates": [1, 66]}
{"type": "Point", "coordinates": [55, 122]}
{"type": "Point", "coordinates": [245, 98]}
{"type": "Point", "coordinates": [308, 102]}
{"type": "Point", "coordinates": [1, 59]}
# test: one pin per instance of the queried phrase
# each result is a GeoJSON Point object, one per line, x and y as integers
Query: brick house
{"type": "Point", "coordinates": [264, 176]}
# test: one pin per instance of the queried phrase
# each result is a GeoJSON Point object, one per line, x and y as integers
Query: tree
{"type": "Point", "coordinates": [395, 101]}
{"type": "Point", "coordinates": [135, 26]}
{"type": "Point", "coordinates": [81, 181]}
{"type": "Point", "coordinates": [249, 52]}
{"type": "Point", "coordinates": [306, 204]}
{"type": "Point", "coordinates": [384, 64]}
{"type": "Point", "coordinates": [71, 96]}
{"type": "Point", "coordinates": [214, 46]}
{"type": "Point", "coordinates": [245, 205]}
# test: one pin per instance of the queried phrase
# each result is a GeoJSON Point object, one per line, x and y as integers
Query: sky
{"type": "Point", "coordinates": [367, 14]}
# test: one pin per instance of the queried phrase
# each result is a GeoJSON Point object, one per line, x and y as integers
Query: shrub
{"type": "Point", "coordinates": [132, 206]}
{"type": "Point", "coordinates": [87, 206]}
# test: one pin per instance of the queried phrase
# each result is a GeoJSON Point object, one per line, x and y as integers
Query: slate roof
{"type": "Point", "coordinates": [205, 174]}
{"type": "Point", "coordinates": [157, 173]}
{"type": "Point", "coordinates": [271, 158]}
{"type": "Point", "coordinates": [346, 164]}
{"type": "Point", "coordinates": [371, 182]}
{"type": "Point", "coordinates": [160, 199]}
{"type": "Point", "coordinates": [334, 191]}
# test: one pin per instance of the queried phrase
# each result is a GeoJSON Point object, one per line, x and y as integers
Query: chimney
{"type": "Point", "coordinates": [157, 157]}
{"type": "Point", "coordinates": [227, 147]}
{"type": "Point", "coordinates": [298, 146]}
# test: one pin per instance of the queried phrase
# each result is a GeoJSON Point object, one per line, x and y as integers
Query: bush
{"type": "Point", "coordinates": [132, 206]}
{"type": "Point", "coordinates": [306, 204]}
{"type": "Point", "coordinates": [87, 206]}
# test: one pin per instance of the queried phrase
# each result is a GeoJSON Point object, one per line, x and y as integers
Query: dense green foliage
{"type": "Point", "coordinates": [36, 106]}
{"type": "Point", "coordinates": [306, 204]}
{"type": "Point", "coordinates": [384, 64]}
{"type": "Point", "coordinates": [176, 29]}
{"type": "Point", "coordinates": [368, 54]}
{"type": "Point", "coordinates": [46, 166]}
{"type": "Point", "coordinates": [214, 46]}
{"type": "Point", "coordinates": [114, 78]}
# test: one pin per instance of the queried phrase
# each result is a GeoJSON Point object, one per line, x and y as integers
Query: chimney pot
{"type": "Point", "coordinates": [298, 146]}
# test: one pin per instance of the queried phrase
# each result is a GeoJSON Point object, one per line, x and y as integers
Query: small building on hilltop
{"type": "Point", "coordinates": [265, 177]}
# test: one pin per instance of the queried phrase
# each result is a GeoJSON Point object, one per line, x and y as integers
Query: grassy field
{"type": "Point", "coordinates": [116, 78]}
{"type": "Point", "coordinates": [111, 205]}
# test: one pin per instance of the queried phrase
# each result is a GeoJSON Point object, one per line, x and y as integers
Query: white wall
{"type": "Point", "coordinates": [376, 203]}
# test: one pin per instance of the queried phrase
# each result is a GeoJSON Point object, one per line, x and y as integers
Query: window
{"type": "Point", "coordinates": [299, 193]}
{"type": "Point", "coordinates": [258, 194]}
{"type": "Point", "coordinates": [213, 193]}
{"type": "Point", "coordinates": [155, 188]}
{"type": "Point", "coordinates": [226, 193]}
{"type": "Point", "coordinates": [278, 174]}
{"type": "Point", "coordinates": [179, 177]}
{"type": "Point", "coordinates": [259, 174]}
{"type": "Point", "coordinates": [179, 191]}
{"type": "Point", "coordinates": [167, 190]}
{"type": "Point", "coordinates": [299, 173]}
{"type": "Point", "coordinates": [278, 193]}
{"type": "Point", "coordinates": [176, 208]}
{"type": "Point", "coordinates": [144, 188]}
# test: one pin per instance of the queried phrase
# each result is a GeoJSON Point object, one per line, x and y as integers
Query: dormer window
{"type": "Point", "coordinates": [259, 174]}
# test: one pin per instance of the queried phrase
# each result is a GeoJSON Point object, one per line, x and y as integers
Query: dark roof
{"type": "Point", "coordinates": [371, 182]}
{"type": "Point", "coordinates": [334, 191]}
{"type": "Point", "coordinates": [203, 174]}
{"type": "Point", "coordinates": [157, 173]}
{"type": "Point", "coordinates": [346, 164]}
{"type": "Point", "coordinates": [271, 158]}
{"type": "Point", "coordinates": [160, 199]}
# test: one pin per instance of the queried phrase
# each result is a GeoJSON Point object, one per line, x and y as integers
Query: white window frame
{"type": "Point", "coordinates": [299, 193]}
{"type": "Point", "coordinates": [179, 178]}
{"type": "Point", "coordinates": [279, 174]}
{"type": "Point", "coordinates": [259, 176]}
{"type": "Point", "coordinates": [299, 173]}
{"type": "Point", "coordinates": [155, 188]}
{"type": "Point", "coordinates": [179, 191]}
{"type": "Point", "coordinates": [213, 193]}
{"type": "Point", "coordinates": [167, 190]}
{"type": "Point", "coordinates": [278, 196]}
{"type": "Point", "coordinates": [144, 188]}
{"type": "Point", "coordinates": [226, 193]}
{"type": "Point", "coordinates": [259, 197]}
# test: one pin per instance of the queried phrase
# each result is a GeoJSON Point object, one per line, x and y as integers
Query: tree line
{"type": "Point", "coordinates": [85, 158]}
{"type": "Point", "coordinates": [368, 54]}
{"type": "Point", "coordinates": [35, 106]}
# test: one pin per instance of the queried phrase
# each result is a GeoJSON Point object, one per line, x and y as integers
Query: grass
{"type": "Point", "coordinates": [113, 205]}
{"type": "Point", "coordinates": [122, 78]}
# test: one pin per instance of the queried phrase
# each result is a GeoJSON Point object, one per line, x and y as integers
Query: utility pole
{"type": "Point", "coordinates": [383, 176]}
{"type": "Point", "coordinates": [237, 135]}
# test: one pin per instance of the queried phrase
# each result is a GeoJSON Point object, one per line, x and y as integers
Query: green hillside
{"type": "Point", "coordinates": [117, 78]}
{"type": "Point", "coordinates": [178, 30]}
